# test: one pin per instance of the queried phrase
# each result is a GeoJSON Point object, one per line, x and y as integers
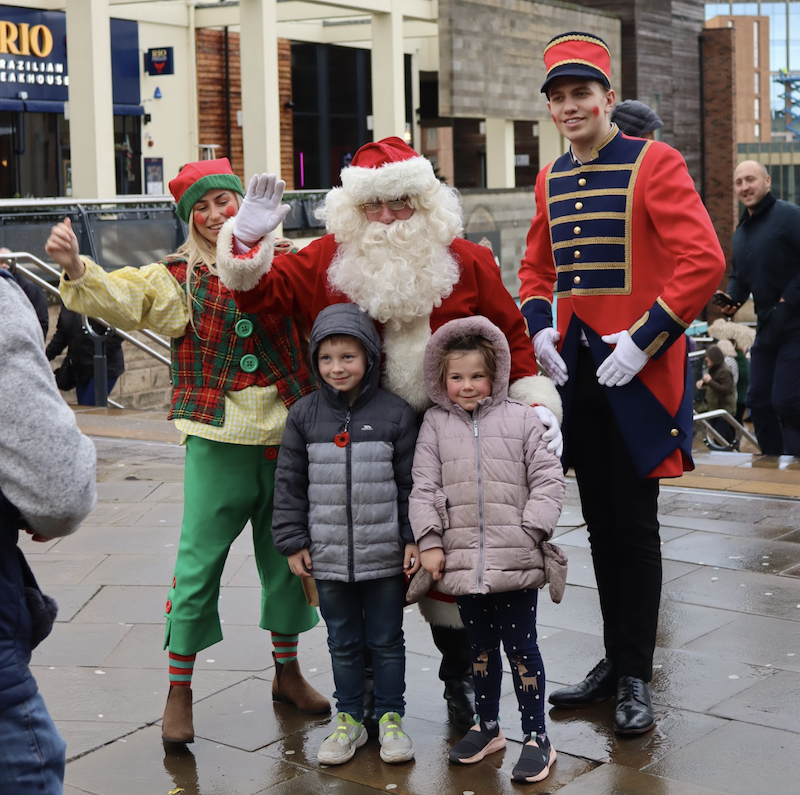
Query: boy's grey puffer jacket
{"type": "Point", "coordinates": [347, 505]}
{"type": "Point", "coordinates": [486, 489]}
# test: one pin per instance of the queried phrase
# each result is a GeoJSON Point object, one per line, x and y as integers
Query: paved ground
{"type": "Point", "coordinates": [726, 686]}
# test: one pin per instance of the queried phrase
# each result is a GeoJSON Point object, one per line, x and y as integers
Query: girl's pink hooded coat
{"type": "Point", "coordinates": [486, 489]}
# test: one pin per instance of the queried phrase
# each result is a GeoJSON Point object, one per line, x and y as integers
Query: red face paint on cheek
{"type": "Point", "coordinates": [596, 111]}
{"type": "Point", "coordinates": [199, 218]}
{"type": "Point", "coordinates": [552, 116]}
{"type": "Point", "coordinates": [230, 210]}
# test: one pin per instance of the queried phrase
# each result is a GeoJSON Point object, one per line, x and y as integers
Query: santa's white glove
{"type": "Point", "coordinates": [625, 362]}
{"type": "Point", "coordinates": [544, 346]}
{"type": "Point", "coordinates": [553, 437]}
{"type": "Point", "coordinates": [261, 211]}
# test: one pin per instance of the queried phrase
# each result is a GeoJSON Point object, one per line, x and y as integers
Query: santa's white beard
{"type": "Point", "coordinates": [395, 272]}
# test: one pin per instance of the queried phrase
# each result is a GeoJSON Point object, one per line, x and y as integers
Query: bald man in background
{"type": "Point", "coordinates": [766, 264]}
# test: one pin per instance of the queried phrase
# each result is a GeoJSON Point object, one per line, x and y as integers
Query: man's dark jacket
{"type": "Point", "coordinates": [766, 263]}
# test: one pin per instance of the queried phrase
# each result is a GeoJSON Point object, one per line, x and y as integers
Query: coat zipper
{"type": "Point", "coordinates": [351, 565]}
{"type": "Point", "coordinates": [481, 539]}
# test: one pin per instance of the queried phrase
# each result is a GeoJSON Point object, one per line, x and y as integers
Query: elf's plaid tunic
{"type": "Point", "coordinates": [214, 359]}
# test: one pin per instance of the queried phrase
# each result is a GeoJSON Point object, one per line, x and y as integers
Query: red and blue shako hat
{"type": "Point", "coordinates": [385, 170]}
{"type": "Point", "coordinates": [577, 54]}
{"type": "Point", "coordinates": [195, 179]}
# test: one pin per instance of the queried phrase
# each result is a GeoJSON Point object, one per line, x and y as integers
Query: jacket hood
{"type": "Point", "coordinates": [477, 325]}
{"type": "Point", "coordinates": [347, 319]}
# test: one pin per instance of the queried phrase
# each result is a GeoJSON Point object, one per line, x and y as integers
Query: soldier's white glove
{"type": "Point", "coordinates": [544, 346]}
{"type": "Point", "coordinates": [261, 211]}
{"type": "Point", "coordinates": [553, 437]}
{"type": "Point", "coordinates": [626, 360]}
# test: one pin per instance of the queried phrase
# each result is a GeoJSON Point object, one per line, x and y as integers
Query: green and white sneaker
{"type": "Point", "coordinates": [395, 743]}
{"type": "Point", "coordinates": [347, 737]}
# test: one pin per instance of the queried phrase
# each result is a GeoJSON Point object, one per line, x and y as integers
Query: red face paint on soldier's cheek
{"type": "Point", "coordinates": [199, 218]}
{"type": "Point", "coordinates": [596, 111]}
{"type": "Point", "coordinates": [230, 210]}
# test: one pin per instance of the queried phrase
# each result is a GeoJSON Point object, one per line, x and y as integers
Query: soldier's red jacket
{"type": "Point", "coordinates": [628, 245]}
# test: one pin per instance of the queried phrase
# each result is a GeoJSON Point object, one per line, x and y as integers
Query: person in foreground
{"type": "Point", "coordinates": [486, 497]}
{"type": "Point", "coordinates": [624, 238]}
{"type": "Point", "coordinates": [47, 488]}
{"type": "Point", "coordinates": [341, 516]}
{"type": "Point", "coordinates": [234, 377]}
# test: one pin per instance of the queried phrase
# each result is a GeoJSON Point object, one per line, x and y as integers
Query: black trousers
{"type": "Point", "coordinates": [621, 515]}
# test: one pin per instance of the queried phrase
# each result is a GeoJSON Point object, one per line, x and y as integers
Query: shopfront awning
{"type": "Point", "coordinates": [45, 106]}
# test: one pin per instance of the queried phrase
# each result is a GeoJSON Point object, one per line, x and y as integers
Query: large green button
{"type": "Point", "coordinates": [244, 328]}
{"type": "Point", "coordinates": [249, 363]}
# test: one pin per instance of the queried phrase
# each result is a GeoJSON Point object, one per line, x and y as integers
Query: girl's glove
{"type": "Point", "coordinates": [261, 211]}
{"type": "Point", "coordinates": [626, 360]}
{"type": "Point", "coordinates": [544, 346]}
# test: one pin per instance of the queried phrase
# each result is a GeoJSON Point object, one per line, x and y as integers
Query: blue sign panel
{"type": "Point", "coordinates": [33, 60]}
{"type": "Point", "coordinates": [159, 61]}
{"type": "Point", "coordinates": [33, 54]}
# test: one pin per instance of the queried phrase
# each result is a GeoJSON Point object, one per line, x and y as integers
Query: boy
{"type": "Point", "coordinates": [341, 516]}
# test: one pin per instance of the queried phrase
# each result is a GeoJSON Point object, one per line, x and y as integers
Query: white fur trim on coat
{"type": "Point", "coordinates": [390, 181]}
{"type": "Point", "coordinates": [242, 273]}
{"type": "Point", "coordinates": [537, 389]}
{"type": "Point", "coordinates": [440, 614]}
{"type": "Point", "coordinates": [404, 351]}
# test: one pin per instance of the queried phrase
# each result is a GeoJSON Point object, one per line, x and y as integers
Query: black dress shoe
{"type": "Point", "coordinates": [634, 712]}
{"type": "Point", "coordinates": [460, 696]}
{"type": "Point", "coordinates": [600, 683]}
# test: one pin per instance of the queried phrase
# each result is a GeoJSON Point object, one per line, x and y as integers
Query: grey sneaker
{"type": "Point", "coordinates": [395, 743]}
{"type": "Point", "coordinates": [347, 737]}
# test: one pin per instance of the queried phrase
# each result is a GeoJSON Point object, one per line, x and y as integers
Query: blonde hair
{"type": "Point", "coordinates": [467, 343]}
{"type": "Point", "coordinates": [197, 251]}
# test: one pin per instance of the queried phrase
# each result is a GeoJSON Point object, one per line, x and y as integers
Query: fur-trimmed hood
{"type": "Point", "coordinates": [475, 325]}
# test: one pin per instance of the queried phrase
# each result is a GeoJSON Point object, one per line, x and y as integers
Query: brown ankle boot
{"type": "Point", "coordinates": [289, 687]}
{"type": "Point", "coordinates": [177, 725]}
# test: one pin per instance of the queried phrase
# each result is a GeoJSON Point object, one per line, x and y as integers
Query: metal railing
{"type": "Point", "coordinates": [100, 364]}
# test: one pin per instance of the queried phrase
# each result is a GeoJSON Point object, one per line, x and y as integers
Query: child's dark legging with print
{"type": "Point", "coordinates": [509, 617]}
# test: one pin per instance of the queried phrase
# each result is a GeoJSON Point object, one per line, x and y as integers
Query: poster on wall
{"type": "Point", "coordinates": [154, 176]}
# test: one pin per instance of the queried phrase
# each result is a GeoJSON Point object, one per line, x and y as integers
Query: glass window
{"type": "Point", "coordinates": [755, 44]}
{"type": "Point", "coordinates": [757, 108]}
{"type": "Point", "coordinates": [758, 131]}
{"type": "Point", "coordinates": [757, 86]}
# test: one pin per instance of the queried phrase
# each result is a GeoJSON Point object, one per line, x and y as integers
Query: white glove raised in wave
{"type": "Point", "coordinates": [261, 211]}
{"type": "Point", "coordinates": [553, 437]}
{"type": "Point", "coordinates": [626, 360]}
{"type": "Point", "coordinates": [544, 346]}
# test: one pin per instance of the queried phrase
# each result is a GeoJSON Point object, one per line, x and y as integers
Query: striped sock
{"type": "Point", "coordinates": [181, 668]}
{"type": "Point", "coordinates": [285, 647]}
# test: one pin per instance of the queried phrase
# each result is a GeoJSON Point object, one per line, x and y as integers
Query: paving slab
{"type": "Point", "coordinates": [722, 760]}
{"type": "Point", "coordinates": [617, 780]}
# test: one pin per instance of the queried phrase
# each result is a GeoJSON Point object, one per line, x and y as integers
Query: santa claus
{"type": "Point", "coordinates": [393, 248]}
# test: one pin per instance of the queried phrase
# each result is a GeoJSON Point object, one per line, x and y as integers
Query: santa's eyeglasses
{"type": "Point", "coordinates": [375, 207]}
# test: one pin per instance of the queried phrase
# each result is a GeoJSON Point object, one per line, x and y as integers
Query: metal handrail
{"type": "Point", "coordinates": [14, 258]}
{"type": "Point", "coordinates": [703, 418]}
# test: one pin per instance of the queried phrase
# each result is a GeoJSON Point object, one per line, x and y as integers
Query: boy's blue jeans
{"type": "Point", "coordinates": [32, 753]}
{"type": "Point", "coordinates": [358, 613]}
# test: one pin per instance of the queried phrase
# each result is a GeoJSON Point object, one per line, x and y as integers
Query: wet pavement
{"type": "Point", "coordinates": [726, 685]}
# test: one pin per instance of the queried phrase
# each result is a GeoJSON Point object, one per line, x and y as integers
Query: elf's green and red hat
{"type": "Point", "coordinates": [195, 179]}
{"type": "Point", "coordinates": [577, 54]}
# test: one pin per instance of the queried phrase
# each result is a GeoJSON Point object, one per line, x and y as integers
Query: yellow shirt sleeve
{"type": "Point", "coordinates": [130, 298]}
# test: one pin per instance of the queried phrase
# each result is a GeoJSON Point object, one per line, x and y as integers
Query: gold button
{"type": "Point", "coordinates": [578, 205]}
{"type": "Point", "coordinates": [582, 181]}
{"type": "Point", "coordinates": [576, 254]}
{"type": "Point", "coordinates": [674, 432]}
{"type": "Point", "coordinates": [577, 280]}
{"type": "Point", "coordinates": [576, 230]}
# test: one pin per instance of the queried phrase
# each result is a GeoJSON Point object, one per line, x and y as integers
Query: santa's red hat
{"type": "Point", "coordinates": [385, 170]}
{"type": "Point", "coordinates": [577, 54]}
{"type": "Point", "coordinates": [194, 180]}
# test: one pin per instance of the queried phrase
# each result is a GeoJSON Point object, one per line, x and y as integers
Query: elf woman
{"type": "Point", "coordinates": [234, 377]}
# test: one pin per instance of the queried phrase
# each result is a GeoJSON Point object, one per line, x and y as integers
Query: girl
{"type": "Point", "coordinates": [486, 497]}
{"type": "Point", "coordinates": [234, 378]}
